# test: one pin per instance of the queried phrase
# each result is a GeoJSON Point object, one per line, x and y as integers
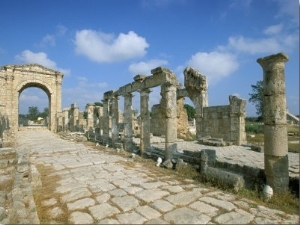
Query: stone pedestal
{"type": "Point", "coordinates": [274, 113]}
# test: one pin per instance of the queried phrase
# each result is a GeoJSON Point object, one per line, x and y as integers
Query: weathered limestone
{"type": "Point", "coordinates": [16, 78]}
{"type": "Point", "coordinates": [168, 92]}
{"type": "Point", "coordinates": [128, 121]}
{"type": "Point", "coordinates": [73, 117]}
{"type": "Point", "coordinates": [196, 87]}
{"type": "Point", "coordinates": [274, 113]}
{"type": "Point", "coordinates": [106, 117]}
{"type": "Point", "coordinates": [145, 120]}
{"type": "Point", "coordinates": [115, 120]}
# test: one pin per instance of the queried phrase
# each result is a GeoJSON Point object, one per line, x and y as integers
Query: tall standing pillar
{"type": "Point", "coordinates": [274, 114]}
{"type": "Point", "coordinates": [115, 120]}
{"type": "Point", "coordinates": [105, 121]}
{"type": "Point", "coordinates": [169, 101]}
{"type": "Point", "coordinates": [145, 120]}
{"type": "Point", "coordinates": [128, 122]}
{"type": "Point", "coordinates": [90, 119]}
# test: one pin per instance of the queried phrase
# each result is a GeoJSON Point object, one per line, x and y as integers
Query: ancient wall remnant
{"type": "Point", "coordinates": [274, 113]}
{"type": "Point", "coordinates": [227, 122]}
{"type": "Point", "coordinates": [16, 78]}
{"type": "Point", "coordinates": [158, 121]}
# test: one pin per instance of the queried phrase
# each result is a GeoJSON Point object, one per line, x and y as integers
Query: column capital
{"type": "Point", "coordinates": [276, 58]}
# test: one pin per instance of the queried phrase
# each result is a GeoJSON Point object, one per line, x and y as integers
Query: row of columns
{"type": "Point", "coordinates": [168, 92]}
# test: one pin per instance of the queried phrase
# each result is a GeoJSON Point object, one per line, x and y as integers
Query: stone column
{"type": "Point", "coordinates": [115, 120]}
{"type": "Point", "coordinates": [90, 119]}
{"type": "Point", "coordinates": [105, 121]}
{"type": "Point", "coordinates": [128, 121]}
{"type": "Point", "coordinates": [145, 120]}
{"type": "Point", "coordinates": [90, 115]}
{"type": "Point", "coordinates": [169, 100]}
{"type": "Point", "coordinates": [274, 113]}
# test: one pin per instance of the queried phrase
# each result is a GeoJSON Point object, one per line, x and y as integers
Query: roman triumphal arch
{"type": "Point", "coordinates": [16, 78]}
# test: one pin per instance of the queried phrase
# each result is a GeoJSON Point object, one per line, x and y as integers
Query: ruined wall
{"type": "Point", "coordinates": [157, 122]}
{"type": "Point", "coordinates": [227, 122]}
{"type": "Point", "coordinates": [4, 126]}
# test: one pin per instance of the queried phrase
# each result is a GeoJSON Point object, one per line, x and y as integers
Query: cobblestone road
{"type": "Point", "coordinates": [94, 186]}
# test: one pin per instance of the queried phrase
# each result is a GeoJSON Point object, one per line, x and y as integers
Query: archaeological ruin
{"type": "Point", "coordinates": [108, 125]}
{"type": "Point", "coordinates": [16, 78]}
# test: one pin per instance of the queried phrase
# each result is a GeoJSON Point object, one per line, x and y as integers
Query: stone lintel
{"type": "Point", "coordinates": [181, 93]}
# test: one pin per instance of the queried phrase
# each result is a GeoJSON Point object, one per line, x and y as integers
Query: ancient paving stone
{"type": "Point", "coordinates": [162, 205]}
{"type": "Point", "coordinates": [55, 212]}
{"type": "Point", "coordinates": [108, 221]}
{"type": "Point", "coordinates": [103, 210]}
{"type": "Point", "coordinates": [239, 217]}
{"type": "Point", "coordinates": [103, 198]}
{"type": "Point", "coordinates": [81, 218]}
{"type": "Point", "coordinates": [68, 187]}
{"type": "Point", "coordinates": [121, 183]}
{"type": "Point", "coordinates": [49, 202]}
{"type": "Point", "coordinates": [218, 203]}
{"type": "Point", "coordinates": [117, 192]}
{"type": "Point", "coordinates": [184, 198]}
{"type": "Point", "coordinates": [132, 190]}
{"type": "Point", "coordinates": [131, 218]}
{"type": "Point", "coordinates": [174, 189]}
{"type": "Point", "coordinates": [81, 204]}
{"type": "Point", "coordinates": [102, 186]}
{"type": "Point", "coordinates": [152, 185]}
{"type": "Point", "coordinates": [151, 195]}
{"type": "Point", "coordinates": [186, 216]}
{"type": "Point", "coordinates": [126, 203]}
{"type": "Point", "coordinates": [157, 221]}
{"type": "Point", "coordinates": [148, 212]}
{"type": "Point", "coordinates": [76, 194]}
{"type": "Point", "coordinates": [204, 208]}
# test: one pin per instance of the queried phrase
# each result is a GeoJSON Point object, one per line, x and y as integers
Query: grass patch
{"type": "Point", "coordinates": [46, 192]}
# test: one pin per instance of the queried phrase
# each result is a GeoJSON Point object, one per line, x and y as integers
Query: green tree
{"type": "Point", "coordinates": [98, 104]}
{"type": "Point", "coordinates": [256, 97]}
{"type": "Point", "coordinates": [33, 113]}
{"type": "Point", "coordinates": [45, 113]}
{"type": "Point", "coordinates": [190, 111]}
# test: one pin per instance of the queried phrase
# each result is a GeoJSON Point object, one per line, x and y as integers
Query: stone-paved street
{"type": "Point", "coordinates": [94, 186]}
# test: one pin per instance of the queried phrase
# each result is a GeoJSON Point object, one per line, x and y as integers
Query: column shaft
{"type": "Point", "coordinates": [145, 120]}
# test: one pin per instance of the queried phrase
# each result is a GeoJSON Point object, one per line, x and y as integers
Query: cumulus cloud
{"type": "Point", "coordinates": [146, 67]}
{"type": "Point", "coordinates": [102, 47]}
{"type": "Point", "coordinates": [214, 65]}
{"type": "Point", "coordinates": [41, 58]}
{"type": "Point", "coordinates": [48, 40]}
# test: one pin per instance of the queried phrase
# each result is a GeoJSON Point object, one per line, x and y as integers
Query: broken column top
{"type": "Point", "coordinates": [280, 57]}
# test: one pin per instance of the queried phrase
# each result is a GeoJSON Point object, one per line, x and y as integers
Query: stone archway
{"type": "Point", "coordinates": [16, 78]}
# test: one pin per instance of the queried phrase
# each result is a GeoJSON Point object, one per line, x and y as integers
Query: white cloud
{"type": "Point", "coordinates": [102, 47]}
{"type": "Point", "coordinates": [275, 29]}
{"type": "Point", "coordinates": [41, 58]}
{"type": "Point", "coordinates": [146, 67]}
{"type": "Point", "coordinates": [214, 65]}
{"type": "Point", "coordinates": [83, 83]}
{"type": "Point", "coordinates": [254, 46]}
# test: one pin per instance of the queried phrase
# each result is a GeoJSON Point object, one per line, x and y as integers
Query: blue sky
{"type": "Point", "coordinates": [101, 45]}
